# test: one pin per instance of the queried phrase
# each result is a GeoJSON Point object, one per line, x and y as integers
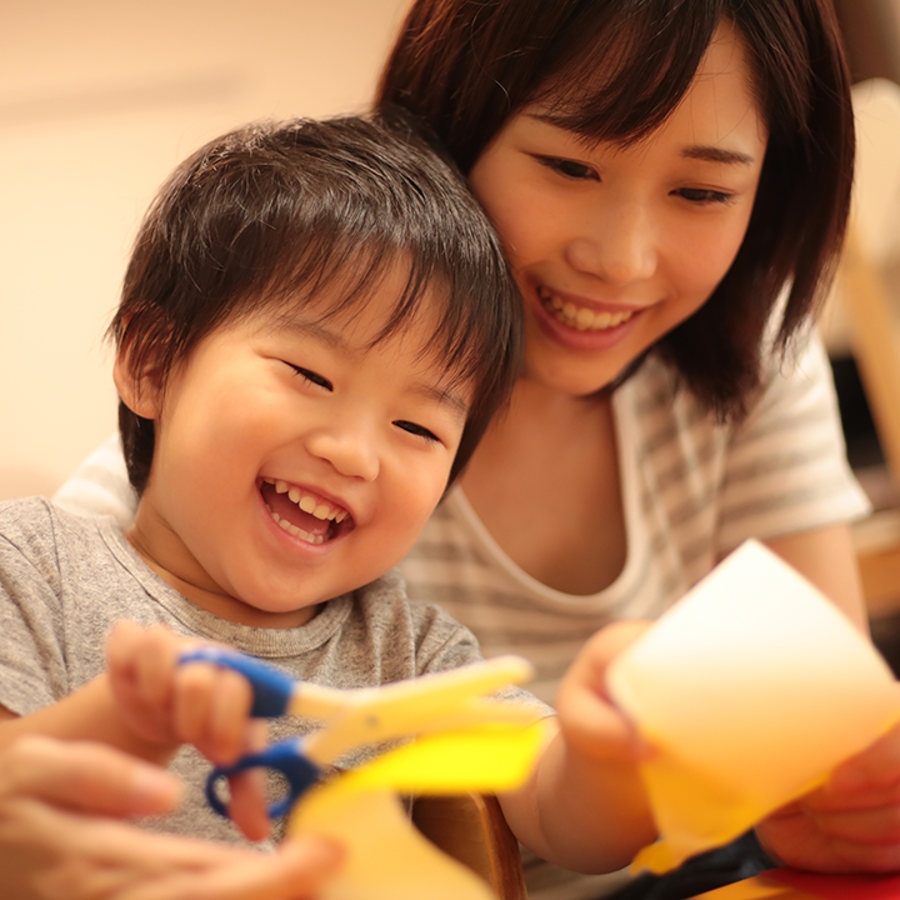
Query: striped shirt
{"type": "Point", "coordinates": [692, 488]}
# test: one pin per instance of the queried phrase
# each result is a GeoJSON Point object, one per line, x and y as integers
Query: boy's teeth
{"type": "Point", "coordinates": [581, 317]}
{"type": "Point", "coordinates": [297, 532]}
{"type": "Point", "coordinates": [308, 503]}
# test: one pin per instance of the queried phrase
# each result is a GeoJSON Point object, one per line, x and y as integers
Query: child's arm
{"type": "Point", "coordinates": [89, 714]}
{"type": "Point", "coordinates": [585, 808]}
{"type": "Point", "coordinates": [148, 706]}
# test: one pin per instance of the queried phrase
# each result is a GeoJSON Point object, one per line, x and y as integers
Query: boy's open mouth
{"type": "Point", "coordinates": [304, 514]}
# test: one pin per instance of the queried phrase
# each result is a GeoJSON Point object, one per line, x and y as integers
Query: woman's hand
{"type": "Point", "coordinates": [60, 838]}
{"type": "Point", "coordinates": [851, 824]}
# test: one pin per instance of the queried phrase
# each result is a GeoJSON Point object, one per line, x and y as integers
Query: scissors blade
{"type": "Point", "coordinates": [433, 702]}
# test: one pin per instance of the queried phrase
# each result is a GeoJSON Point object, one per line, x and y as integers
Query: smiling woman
{"type": "Point", "coordinates": [614, 246]}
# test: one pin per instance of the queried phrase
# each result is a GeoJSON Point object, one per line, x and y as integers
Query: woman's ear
{"type": "Point", "coordinates": [141, 390]}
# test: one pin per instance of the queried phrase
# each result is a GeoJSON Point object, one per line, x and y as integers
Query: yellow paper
{"type": "Point", "coordinates": [488, 759]}
{"type": "Point", "coordinates": [752, 688]}
{"type": "Point", "coordinates": [386, 857]}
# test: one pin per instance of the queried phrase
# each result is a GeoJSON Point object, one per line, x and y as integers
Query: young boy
{"type": "Point", "coordinates": [317, 324]}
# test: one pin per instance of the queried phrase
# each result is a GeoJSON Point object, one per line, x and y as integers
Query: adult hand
{"type": "Point", "coordinates": [851, 824]}
{"type": "Point", "coordinates": [60, 838]}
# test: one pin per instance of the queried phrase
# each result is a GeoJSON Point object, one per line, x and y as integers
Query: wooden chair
{"type": "Point", "coordinates": [471, 828]}
{"type": "Point", "coordinates": [867, 296]}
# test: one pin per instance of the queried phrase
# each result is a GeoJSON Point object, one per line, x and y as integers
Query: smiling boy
{"type": "Point", "coordinates": [316, 326]}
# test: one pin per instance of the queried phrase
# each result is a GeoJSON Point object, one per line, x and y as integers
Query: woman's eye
{"type": "Point", "coordinates": [417, 430]}
{"type": "Point", "coordinates": [703, 195]}
{"type": "Point", "coordinates": [312, 377]}
{"type": "Point", "coordinates": [569, 168]}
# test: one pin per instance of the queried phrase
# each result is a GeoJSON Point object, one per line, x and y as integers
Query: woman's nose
{"type": "Point", "coordinates": [351, 448]}
{"type": "Point", "coordinates": [616, 245]}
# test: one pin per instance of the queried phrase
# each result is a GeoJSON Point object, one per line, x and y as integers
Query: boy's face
{"type": "Point", "coordinates": [292, 464]}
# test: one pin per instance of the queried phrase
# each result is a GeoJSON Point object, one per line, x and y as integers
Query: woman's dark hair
{"type": "Point", "coordinates": [273, 215]}
{"type": "Point", "coordinates": [613, 70]}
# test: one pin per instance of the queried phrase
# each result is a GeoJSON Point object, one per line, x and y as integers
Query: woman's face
{"type": "Point", "coordinates": [614, 246]}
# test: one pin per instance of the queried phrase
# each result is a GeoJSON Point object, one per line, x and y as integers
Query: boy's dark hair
{"type": "Point", "coordinates": [273, 214]}
{"type": "Point", "coordinates": [614, 70]}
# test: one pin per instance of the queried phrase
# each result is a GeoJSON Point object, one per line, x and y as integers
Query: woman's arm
{"type": "Point", "coordinates": [826, 557]}
{"type": "Point", "coordinates": [60, 835]}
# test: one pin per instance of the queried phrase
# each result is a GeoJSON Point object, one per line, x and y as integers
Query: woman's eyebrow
{"type": "Point", "coordinates": [707, 153]}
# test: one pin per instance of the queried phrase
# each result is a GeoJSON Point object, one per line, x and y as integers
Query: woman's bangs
{"type": "Point", "coordinates": [621, 88]}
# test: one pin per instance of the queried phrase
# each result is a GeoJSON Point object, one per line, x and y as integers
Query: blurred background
{"type": "Point", "coordinates": [99, 99]}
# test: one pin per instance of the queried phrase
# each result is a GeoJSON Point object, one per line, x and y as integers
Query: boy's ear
{"type": "Point", "coordinates": [141, 390]}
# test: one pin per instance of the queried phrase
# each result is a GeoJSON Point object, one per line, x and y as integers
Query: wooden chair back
{"type": "Point", "coordinates": [471, 829]}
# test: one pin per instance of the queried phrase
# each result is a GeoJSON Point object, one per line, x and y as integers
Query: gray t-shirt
{"type": "Point", "coordinates": [64, 581]}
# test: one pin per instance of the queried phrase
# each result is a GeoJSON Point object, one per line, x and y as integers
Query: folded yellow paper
{"type": "Point", "coordinates": [385, 857]}
{"type": "Point", "coordinates": [752, 688]}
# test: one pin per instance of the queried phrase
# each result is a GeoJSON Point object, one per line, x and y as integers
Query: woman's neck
{"type": "Point", "coordinates": [545, 483]}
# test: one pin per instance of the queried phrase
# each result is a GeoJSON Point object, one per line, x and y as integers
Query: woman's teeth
{"type": "Point", "coordinates": [580, 317]}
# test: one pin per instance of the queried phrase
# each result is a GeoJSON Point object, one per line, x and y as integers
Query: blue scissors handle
{"type": "Point", "coordinates": [272, 688]}
{"type": "Point", "coordinates": [285, 757]}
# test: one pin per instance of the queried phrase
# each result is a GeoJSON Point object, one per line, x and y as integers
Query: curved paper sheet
{"type": "Point", "coordinates": [387, 858]}
{"type": "Point", "coordinates": [752, 688]}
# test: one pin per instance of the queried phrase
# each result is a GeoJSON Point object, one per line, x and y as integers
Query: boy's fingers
{"type": "Point", "coordinates": [587, 713]}
{"type": "Point", "coordinates": [247, 808]}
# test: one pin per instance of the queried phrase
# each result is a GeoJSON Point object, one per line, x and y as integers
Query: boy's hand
{"type": "Point", "coordinates": [850, 824]}
{"type": "Point", "coordinates": [588, 717]}
{"type": "Point", "coordinates": [200, 704]}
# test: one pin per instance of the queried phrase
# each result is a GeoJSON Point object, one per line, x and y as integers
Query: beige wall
{"type": "Point", "coordinates": [99, 99]}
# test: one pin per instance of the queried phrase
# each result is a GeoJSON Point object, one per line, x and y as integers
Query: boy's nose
{"type": "Point", "coordinates": [350, 450]}
{"type": "Point", "coordinates": [615, 245]}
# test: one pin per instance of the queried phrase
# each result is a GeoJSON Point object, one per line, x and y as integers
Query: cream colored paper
{"type": "Point", "coordinates": [752, 688]}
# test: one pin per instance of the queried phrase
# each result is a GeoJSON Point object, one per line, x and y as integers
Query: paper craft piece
{"type": "Point", "coordinates": [752, 688]}
{"type": "Point", "coordinates": [386, 857]}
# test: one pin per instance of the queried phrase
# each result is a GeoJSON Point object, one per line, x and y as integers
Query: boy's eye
{"type": "Point", "coordinates": [313, 377]}
{"type": "Point", "coordinates": [418, 430]}
{"type": "Point", "coordinates": [568, 168]}
{"type": "Point", "coordinates": [703, 195]}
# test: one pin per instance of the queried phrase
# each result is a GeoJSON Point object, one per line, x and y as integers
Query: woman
{"type": "Point", "coordinates": [661, 174]}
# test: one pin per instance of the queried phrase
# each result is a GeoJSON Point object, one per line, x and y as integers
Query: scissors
{"type": "Point", "coordinates": [437, 702]}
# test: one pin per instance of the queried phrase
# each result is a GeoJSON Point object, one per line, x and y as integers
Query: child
{"type": "Point", "coordinates": [316, 325]}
